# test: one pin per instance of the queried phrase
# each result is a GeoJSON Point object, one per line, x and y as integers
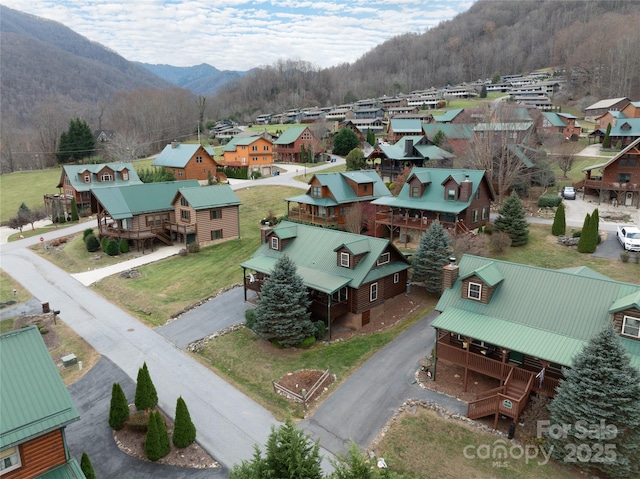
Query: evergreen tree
{"type": "Point", "coordinates": [290, 455]}
{"type": "Point", "coordinates": [163, 435]}
{"type": "Point", "coordinates": [606, 141]}
{"type": "Point", "coordinates": [438, 138]}
{"type": "Point", "coordinates": [184, 431]}
{"type": "Point", "coordinates": [87, 467]}
{"type": "Point", "coordinates": [119, 409]}
{"type": "Point", "coordinates": [282, 313]}
{"type": "Point", "coordinates": [152, 441]}
{"type": "Point", "coordinates": [254, 469]}
{"type": "Point", "coordinates": [371, 137]}
{"type": "Point", "coordinates": [602, 389]}
{"type": "Point", "coordinates": [92, 243]}
{"type": "Point", "coordinates": [512, 220]}
{"type": "Point", "coordinates": [586, 243]}
{"type": "Point", "coordinates": [483, 91]}
{"type": "Point", "coordinates": [74, 210]}
{"type": "Point", "coordinates": [595, 227]}
{"type": "Point", "coordinates": [76, 143]}
{"type": "Point", "coordinates": [344, 141]}
{"type": "Point", "coordinates": [146, 395]}
{"type": "Point", "coordinates": [432, 254]}
{"type": "Point", "coordinates": [354, 465]}
{"type": "Point", "coordinates": [559, 226]}
{"type": "Point", "coordinates": [355, 160]}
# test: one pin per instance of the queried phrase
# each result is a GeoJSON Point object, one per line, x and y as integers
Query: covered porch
{"type": "Point", "coordinates": [404, 221]}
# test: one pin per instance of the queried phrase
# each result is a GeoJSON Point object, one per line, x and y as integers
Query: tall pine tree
{"type": "Point", "coordinates": [602, 390]}
{"type": "Point", "coordinates": [431, 256]}
{"type": "Point", "coordinates": [119, 409]}
{"type": "Point", "coordinates": [586, 243]}
{"type": "Point", "coordinates": [146, 395]}
{"type": "Point", "coordinates": [152, 441]}
{"type": "Point", "coordinates": [76, 143]}
{"type": "Point", "coordinates": [282, 313]}
{"type": "Point", "coordinates": [559, 226]}
{"type": "Point", "coordinates": [184, 431]}
{"type": "Point", "coordinates": [606, 142]}
{"type": "Point", "coordinates": [87, 467]}
{"type": "Point", "coordinates": [512, 220]}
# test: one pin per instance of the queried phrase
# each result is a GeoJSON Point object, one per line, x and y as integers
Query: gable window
{"type": "Point", "coordinates": [631, 327]}
{"type": "Point", "coordinates": [384, 258]}
{"type": "Point", "coordinates": [106, 177]}
{"type": "Point", "coordinates": [216, 214]}
{"type": "Point", "coordinates": [396, 278]}
{"type": "Point", "coordinates": [478, 194]}
{"type": "Point", "coordinates": [373, 292]}
{"type": "Point", "coordinates": [198, 159]}
{"type": "Point", "coordinates": [185, 215]}
{"type": "Point", "coordinates": [475, 291]}
{"type": "Point", "coordinates": [451, 194]}
{"type": "Point", "coordinates": [316, 191]}
{"type": "Point", "coordinates": [216, 234]}
{"type": "Point", "coordinates": [415, 192]}
{"type": "Point", "coordinates": [344, 260]}
{"type": "Point", "coordinates": [9, 460]}
{"type": "Point", "coordinates": [87, 179]}
{"type": "Point", "coordinates": [275, 243]}
{"type": "Point", "coordinates": [183, 201]}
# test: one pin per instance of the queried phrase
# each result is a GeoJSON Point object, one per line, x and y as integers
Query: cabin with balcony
{"type": "Point", "coordinates": [255, 153]}
{"type": "Point", "coordinates": [349, 276]}
{"type": "Point", "coordinates": [332, 197]}
{"type": "Point", "coordinates": [459, 199]}
{"type": "Point", "coordinates": [521, 325]}
{"type": "Point", "coordinates": [624, 131]}
{"type": "Point", "coordinates": [409, 152]}
{"type": "Point", "coordinates": [616, 181]}
{"type": "Point", "coordinates": [35, 409]}
{"type": "Point", "coordinates": [288, 148]}
{"type": "Point", "coordinates": [141, 213]}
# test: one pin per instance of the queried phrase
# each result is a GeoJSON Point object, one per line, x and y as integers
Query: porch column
{"type": "Point", "coordinates": [505, 354]}
{"type": "Point", "coordinates": [244, 283]}
{"type": "Point", "coordinates": [466, 364]}
{"type": "Point", "coordinates": [329, 314]}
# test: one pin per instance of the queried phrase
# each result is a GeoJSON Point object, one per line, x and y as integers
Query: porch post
{"type": "Point", "coordinates": [466, 364]}
{"type": "Point", "coordinates": [244, 283]}
{"type": "Point", "coordinates": [505, 353]}
{"type": "Point", "coordinates": [329, 314]}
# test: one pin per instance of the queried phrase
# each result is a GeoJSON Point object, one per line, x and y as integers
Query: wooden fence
{"type": "Point", "coordinates": [309, 394]}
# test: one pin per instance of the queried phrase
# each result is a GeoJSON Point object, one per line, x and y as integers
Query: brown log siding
{"type": "Point", "coordinates": [485, 291]}
{"type": "Point", "coordinates": [39, 456]}
{"type": "Point", "coordinates": [228, 223]}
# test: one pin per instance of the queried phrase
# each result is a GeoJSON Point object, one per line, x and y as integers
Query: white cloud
{"type": "Point", "coordinates": [241, 34]}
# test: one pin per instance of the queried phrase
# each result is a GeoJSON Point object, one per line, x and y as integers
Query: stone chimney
{"type": "Point", "coordinates": [408, 147]}
{"type": "Point", "coordinates": [465, 189]}
{"type": "Point", "coordinates": [449, 274]}
{"type": "Point", "coordinates": [174, 144]}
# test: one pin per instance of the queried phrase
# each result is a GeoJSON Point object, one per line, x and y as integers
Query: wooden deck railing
{"type": "Point", "coordinates": [482, 407]}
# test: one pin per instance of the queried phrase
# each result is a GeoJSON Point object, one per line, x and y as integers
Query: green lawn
{"type": "Point", "coordinates": [27, 187]}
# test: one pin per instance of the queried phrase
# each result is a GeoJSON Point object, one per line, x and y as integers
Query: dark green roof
{"type": "Point", "coordinates": [447, 116]}
{"type": "Point", "coordinates": [313, 250]}
{"type": "Point", "coordinates": [290, 135]}
{"type": "Point", "coordinates": [33, 398]}
{"type": "Point", "coordinates": [406, 125]}
{"type": "Point", "coordinates": [547, 314]}
{"type": "Point", "coordinates": [70, 470]}
{"type": "Point", "coordinates": [125, 202]}
{"type": "Point", "coordinates": [205, 197]}
{"type": "Point", "coordinates": [420, 150]}
{"type": "Point", "coordinates": [433, 197]}
{"type": "Point", "coordinates": [73, 173]}
{"type": "Point", "coordinates": [453, 131]}
{"type": "Point", "coordinates": [341, 191]}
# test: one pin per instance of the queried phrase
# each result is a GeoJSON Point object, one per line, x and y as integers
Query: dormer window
{"type": "Point", "coordinates": [106, 177]}
{"type": "Point", "coordinates": [384, 258]}
{"type": "Point", "coordinates": [125, 175]}
{"type": "Point", "coordinates": [275, 243]}
{"type": "Point", "coordinates": [474, 291]}
{"type": "Point", "coordinates": [344, 260]}
{"type": "Point", "coordinates": [87, 178]}
{"type": "Point", "coordinates": [414, 192]}
{"type": "Point", "coordinates": [316, 191]}
{"type": "Point", "coordinates": [631, 326]}
{"type": "Point", "coordinates": [451, 194]}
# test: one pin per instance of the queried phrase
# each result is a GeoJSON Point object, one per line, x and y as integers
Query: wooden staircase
{"type": "Point", "coordinates": [509, 399]}
{"type": "Point", "coordinates": [163, 236]}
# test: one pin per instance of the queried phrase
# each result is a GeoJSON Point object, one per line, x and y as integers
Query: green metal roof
{"type": "Point", "coordinates": [179, 156]}
{"type": "Point", "coordinates": [489, 274]}
{"type": "Point", "coordinates": [512, 126]}
{"type": "Point", "coordinates": [522, 152]}
{"type": "Point", "coordinates": [290, 135]}
{"type": "Point", "coordinates": [453, 131]}
{"type": "Point", "coordinates": [421, 149]}
{"type": "Point", "coordinates": [554, 119]}
{"type": "Point", "coordinates": [447, 116]}
{"type": "Point", "coordinates": [340, 190]}
{"type": "Point", "coordinates": [548, 314]}
{"type": "Point", "coordinates": [433, 198]}
{"type": "Point", "coordinates": [585, 271]}
{"type": "Point", "coordinates": [33, 398]}
{"type": "Point", "coordinates": [624, 127]}
{"type": "Point", "coordinates": [242, 141]}
{"type": "Point", "coordinates": [70, 470]}
{"type": "Point", "coordinates": [205, 197]}
{"type": "Point", "coordinates": [125, 202]}
{"type": "Point", "coordinates": [313, 250]}
{"type": "Point", "coordinates": [630, 301]}
{"type": "Point", "coordinates": [73, 173]}
{"type": "Point", "coordinates": [406, 125]}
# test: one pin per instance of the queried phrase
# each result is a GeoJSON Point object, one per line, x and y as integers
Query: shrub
{"type": "Point", "coordinates": [501, 241]}
{"type": "Point", "coordinates": [124, 246]}
{"type": "Point", "coordinates": [119, 408]}
{"type": "Point", "coordinates": [577, 234]}
{"type": "Point", "coordinates": [559, 226]}
{"type": "Point", "coordinates": [146, 395]}
{"type": "Point", "coordinates": [92, 244]}
{"type": "Point", "coordinates": [250, 318]}
{"type": "Point", "coordinates": [112, 248]}
{"type": "Point", "coordinates": [152, 445]}
{"type": "Point", "coordinates": [103, 243]}
{"type": "Point", "coordinates": [87, 467]}
{"type": "Point", "coordinates": [624, 256]}
{"type": "Point", "coordinates": [165, 442]}
{"type": "Point", "coordinates": [138, 421]}
{"type": "Point", "coordinates": [184, 431]}
{"type": "Point", "coordinates": [193, 247]}
{"type": "Point", "coordinates": [549, 201]}
{"type": "Point", "coordinates": [87, 232]}
{"type": "Point", "coordinates": [307, 342]}
{"type": "Point", "coordinates": [488, 229]}
{"type": "Point", "coordinates": [320, 330]}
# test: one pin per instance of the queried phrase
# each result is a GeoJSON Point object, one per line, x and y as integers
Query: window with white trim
{"type": "Point", "coordinates": [396, 278]}
{"type": "Point", "coordinates": [474, 291]}
{"type": "Point", "coordinates": [87, 178]}
{"type": "Point", "coordinates": [373, 292]}
{"type": "Point", "coordinates": [9, 459]}
{"type": "Point", "coordinates": [275, 243]}
{"type": "Point", "coordinates": [474, 216]}
{"type": "Point", "coordinates": [414, 192]}
{"type": "Point", "coordinates": [125, 175]}
{"type": "Point", "coordinates": [631, 326]}
{"type": "Point", "coordinates": [384, 258]}
{"type": "Point", "coordinates": [451, 194]}
{"type": "Point", "coordinates": [106, 177]}
{"type": "Point", "coordinates": [485, 212]}
{"type": "Point", "coordinates": [344, 259]}
{"type": "Point", "coordinates": [316, 191]}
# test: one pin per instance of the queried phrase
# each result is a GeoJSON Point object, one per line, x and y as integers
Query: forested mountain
{"type": "Point", "coordinates": [202, 79]}
{"type": "Point", "coordinates": [596, 39]}
{"type": "Point", "coordinates": [42, 59]}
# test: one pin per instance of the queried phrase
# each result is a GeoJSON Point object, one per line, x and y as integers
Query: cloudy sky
{"type": "Point", "coordinates": [239, 35]}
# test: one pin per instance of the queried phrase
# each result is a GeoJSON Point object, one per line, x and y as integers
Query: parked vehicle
{"type": "Point", "coordinates": [568, 193]}
{"type": "Point", "coordinates": [629, 237]}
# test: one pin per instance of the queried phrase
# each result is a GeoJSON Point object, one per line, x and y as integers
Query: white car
{"type": "Point", "coordinates": [629, 237]}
